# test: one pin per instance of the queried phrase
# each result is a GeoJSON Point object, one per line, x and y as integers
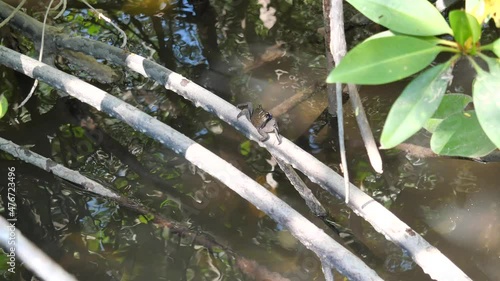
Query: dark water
{"type": "Point", "coordinates": [225, 47]}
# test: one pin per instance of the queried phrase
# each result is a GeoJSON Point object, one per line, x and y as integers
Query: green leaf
{"type": "Point", "coordinates": [415, 17]}
{"type": "Point", "coordinates": [451, 104]}
{"type": "Point", "coordinates": [493, 65]}
{"type": "Point", "coordinates": [245, 147]}
{"type": "Point", "coordinates": [145, 219]}
{"type": "Point", "coordinates": [417, 103]}
{"type": "Point", "coordinates": [496, 47]}
{"type": "Point", "coordinates": [384, 60]}
{"type": "Point", "coordinates": [4, 105]}
{"type": "Point", "coordinates": [487, 102]}
{"type": "Point", "coordinates": [461, 135]}
{"type": "Point", "coordinates": [464, 26]}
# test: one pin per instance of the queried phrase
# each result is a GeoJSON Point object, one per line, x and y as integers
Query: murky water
{"type": "Point", "coordinates": [224, 47]}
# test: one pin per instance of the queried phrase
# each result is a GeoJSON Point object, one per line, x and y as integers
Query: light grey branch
{"type": "Point", "coordinates": [327, 271]}
{"type": "Point", "coordinates": [40, 56]}
{"type": "Point", "coordinates": [364, 129]}
{"type": "Point", "coordinates": [33, 258]}
{"type": "Point", "coordinates": [108, 20]}
{"type": "Point", "coordinates": [19, 6]}
{"type": "Point", "coordinates": [338, 48]}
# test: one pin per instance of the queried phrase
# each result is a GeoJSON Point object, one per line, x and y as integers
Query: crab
{"type": "Point", "coordinates": [262, 120]}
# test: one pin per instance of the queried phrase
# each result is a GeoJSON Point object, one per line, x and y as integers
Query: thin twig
{"type": "Point", "coordinates": [108, 20]}
{"type": "Point", "coordinates": [34, 258]}
{"type": "Point", "coordinates": [12, 14]}
{"type": "Point", "coordinates": [64, 3]}
{"type": "Point", "coordinates": [365, 130]}
{"type": "Point", "coordinates": [40, 56]}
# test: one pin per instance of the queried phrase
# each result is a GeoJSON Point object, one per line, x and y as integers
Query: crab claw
{"type": "Point", "coordinates": [246, 109]}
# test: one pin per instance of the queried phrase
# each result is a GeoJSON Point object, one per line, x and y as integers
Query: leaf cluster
{"type": "Point", "coordinates": [409, 46]}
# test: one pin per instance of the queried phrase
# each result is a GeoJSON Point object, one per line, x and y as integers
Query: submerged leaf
{"type": "Point", "coordinates": [461, 135]}
{"type": "Point", "coordinates": [496, 47]}
{"type": "Point", "coordinates": [4, 105]}
{"type": "Point", "coordinates": [465, 26]}
{"type": "Point", "coordinates": [487, 102]}
{"type": "Point", "coordinates": [417, 103]}
{"type": "Point", "coordinates": [384, 60]}
{"type": "Point", "coordinates": [451, 104]}
{"type": "Point", "coordinates": [415, 17]}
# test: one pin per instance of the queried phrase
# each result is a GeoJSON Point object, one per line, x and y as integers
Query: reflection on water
{"type": "Point", "coordinates": [453, 203]}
